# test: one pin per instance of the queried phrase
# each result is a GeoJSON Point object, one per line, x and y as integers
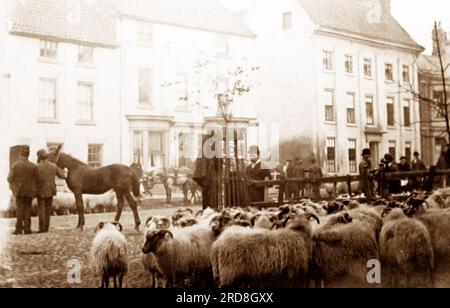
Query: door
{"type": "Point", "coordinates": [374, 148]}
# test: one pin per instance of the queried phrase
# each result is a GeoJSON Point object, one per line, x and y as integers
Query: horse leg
{"type": "Point", "coordinates": [120, 203]}
{"type": "Point", "coordinates": [134, 208]}
{"type": "Point", "coordinates": [80, 209]}
{"type": "Point", "coordinates": [168, 192]}
{"type": "Point", "coordinates": [185, 189]}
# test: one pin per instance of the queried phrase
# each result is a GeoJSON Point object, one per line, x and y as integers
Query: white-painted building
{"type": "Point", "coordinates": [59, 79]}
{"type": "Point", "coordinates": [330, 74]}
{"type": "Point", "coordinates": [175, 58]}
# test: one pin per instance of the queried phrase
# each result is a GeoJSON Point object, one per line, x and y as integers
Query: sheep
{"type": "Point", "coordinates": [406, 252]}
{"type": "Point", "coordinates": [182, 215]}
{"type": "Point", "coordinates": [149, 261]}
{"type": "Point", "coordinates": [263, 220]}
{"type": "Point", "coordinates": [251, 256]}
{"type": "Point", "coordinates": [182, 252]}
{"type": "Point", "coordinates": [109, 254]}
{"type": "Point", "coordinates": [342, 248]}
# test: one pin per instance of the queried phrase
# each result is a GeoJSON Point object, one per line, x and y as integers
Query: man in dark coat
{"type": "Point", "coordinates": [417, 165]}
{"type": "Point", "coordinates": [366, 181]}
{"type": "Point", "coordinates": [404, 166]}
{"type": "Point", "coordinates": [315, 174]}
{"type": "Point", "coordinates": [137, 167]}
{"type": "Point", "coordinates": [291, 187]}
{"type": "Point", "coordinates": [46, 188]}
{"type": "Point", "coordinates": [391, 167]}
{"type": "Point", "coordinates": [256, 172]}
{"type": "Point", "coordinates": [22, 181]}
{"type": "Point", "coordinates": [300, 173]}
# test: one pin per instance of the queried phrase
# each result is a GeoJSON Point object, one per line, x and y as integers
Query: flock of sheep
{"type": "Point", "coordinates": [303, 245]}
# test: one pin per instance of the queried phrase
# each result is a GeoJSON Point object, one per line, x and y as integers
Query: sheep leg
{"type": "Point", "coordinates": [168, 192]}
{"type": "Point", "coordinates": [105, 281]}
{"type": "Point", "coordinates": [80, 210]}
{"type": "Point", "coordinates": [121, 281]}
{"type": "Point", "coordinates": [120, 204]}
{"type": "Point", "coordinates": [134, 208]}
{"type": "Point", "coordinates": [115, 281]}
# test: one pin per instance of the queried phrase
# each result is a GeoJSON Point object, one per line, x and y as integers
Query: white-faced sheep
{"type": "Point", "coordinates": [109, 254]}
{"type": "Point", "coordinates": [245, 257]}
{"type": "Point", "coordinates": [406, 252]}
{"type": "Point", "coordinates": [182, 253]}
{"type": "Point", "coordinates": [342, 248]}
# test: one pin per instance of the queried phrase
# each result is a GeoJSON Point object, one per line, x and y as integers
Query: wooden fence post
{"type": "Point", "coordinates": [281, 192]}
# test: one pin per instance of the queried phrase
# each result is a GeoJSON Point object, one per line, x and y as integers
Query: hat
{"type": "Point", "coordinates": [388, 157]}
{"type": "Point", "coordinates": [416, 153]}
{"type": "Point", "coordinates": [403, 157]}
{"type": "Point", "coordinates": [24, 149]}
{"type": "Point", "coordinates": [42, 154]}
{"type": "Point", "coordinates": [254, 150]}
{"type": "Point", "coordinates": [366, 152]}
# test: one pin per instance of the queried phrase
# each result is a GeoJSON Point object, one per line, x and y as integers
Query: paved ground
{"type": "Point", "coordinates": [41, 260]}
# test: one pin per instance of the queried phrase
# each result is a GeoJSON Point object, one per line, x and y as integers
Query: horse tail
{"type": "Point", "coordinates": [136, 188]}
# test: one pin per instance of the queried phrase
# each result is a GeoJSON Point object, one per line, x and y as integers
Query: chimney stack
{"type": "Point", "coordinates": [386, 6]}
{"type": "Point", "coordinates": [441, 35]}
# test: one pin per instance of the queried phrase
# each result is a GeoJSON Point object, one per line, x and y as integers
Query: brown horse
{"type": "Point", "coordinates": [83, 179]}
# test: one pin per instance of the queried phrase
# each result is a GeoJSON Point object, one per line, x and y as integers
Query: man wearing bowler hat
{"type": "Point", "coordinates": [22, 181]}
{"type": "Point", "coordinates": [256, 172]}
{"type": "Point", "coordinates": [366, 183]}
{"type": "Point", "coordinates": [46, 188]}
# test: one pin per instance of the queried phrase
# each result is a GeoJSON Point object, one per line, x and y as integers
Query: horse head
{"type": "Point", "coordinates": [54, 155]}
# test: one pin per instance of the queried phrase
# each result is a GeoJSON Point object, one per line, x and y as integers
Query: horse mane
{"type": "Point", "coordinates": [73, 159]}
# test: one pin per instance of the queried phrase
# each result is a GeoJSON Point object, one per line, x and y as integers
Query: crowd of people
{"type": "Point", "coordinates": [29, 181]}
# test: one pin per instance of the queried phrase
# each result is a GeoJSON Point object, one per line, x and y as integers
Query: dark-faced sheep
{"type": "Point", "coordinates": [249, 257]}
{"type": "Point", "coordinates": [406, 252]}
{"type": "Point", "coordinates": [109, 254]}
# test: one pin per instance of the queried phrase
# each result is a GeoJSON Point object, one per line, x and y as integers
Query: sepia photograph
{"type": "Point", "coordinates": [225, 144]}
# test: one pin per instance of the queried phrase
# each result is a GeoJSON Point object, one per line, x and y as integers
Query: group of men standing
{"type": "Point", "coordinates": [386, 166]}
{"type": "Point", "coordinates": [28, 181]}
{"type": "Point", "coordinates": [297, 170]}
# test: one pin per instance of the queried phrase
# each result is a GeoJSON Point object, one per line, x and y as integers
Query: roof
{"type": "Point", "coordinates": [353, 17]}
{"type": "Point", "coordinates": [428, 63]}
{"type": "Point", "coordinates": [76, 21]}
{"type": "Point", "coordinates": [206, 15]}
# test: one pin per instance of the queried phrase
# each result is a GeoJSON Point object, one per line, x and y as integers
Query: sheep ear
{"type": "Point", "coordinates": [148, 220]}
{"type": "Point", "coordinates": [99, 226]}
{"type": "Point", "coordinates": [168, 235]}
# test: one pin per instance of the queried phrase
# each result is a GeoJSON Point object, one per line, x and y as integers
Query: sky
{"type": "Point", "coordinates": [416, 16]}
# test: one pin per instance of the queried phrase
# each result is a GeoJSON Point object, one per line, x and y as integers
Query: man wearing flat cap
{"type": "Point", "coordinates": [22, 181]}
{"type": "Point", "coordinates": [46, 187]}
{"type": "Point", "coordinates": [366, 183]}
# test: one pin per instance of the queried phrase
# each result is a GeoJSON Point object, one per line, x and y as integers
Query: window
{"type": "Point", "coordinates": [331, 155]}
{"type": "Point", "coordinates": [407, 113]}
{"type": "Point", "coordinates": [408, 151]}
{"type": "Point", "coordinates": [85, 54]}
{"type": "Point", "coordinates": [350, 102]}
{"type": "Point", "coordinates": [389, 72]}
{"type": "Point", "coordinates": [95, 155]}
{"type": "Point", "coordinates": [185, 144]}
{"type": "Point", "coordinates": [287, 20]}
{"type": "Point", "coordinates": [156, 150]}
{"type": "Point", "coordinates": [138, 145]}
{"type": "Point", "coordinates": [393, 149]}
{"type": "Point", "coordinates": [327, 60]}
{"type": "Point", "coordinates": [49, 49]}
{"type": "Point", "coordinates": [367, 67]}
{"type": "Point", "coordinates": [85, 102]}
{"type": "Point", "coordinates": [405, 73]}
{"type": "Point", "coordinates": [369, 111]}
{"type": "Point", "coordinates": [47, 99]}
{"type": "Point", "coordinates": [182, 87]}
{"type": "Point", "coordinates": [145, 86]}
{"type": "Point", "coordinates": [352, 155]}
{"type": "Point", "coordinates": [349, 64]}
{"type": "Point", "coordinates": [223, 44]}
{"type": "Point", "coordinates": [390, 112]}
{"type": "Point", "coordinates": [329, 105]}
{"type": "Point", "coordinates": [438, 96]}
{"type": "Point", "coordinates": [145, 34]}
